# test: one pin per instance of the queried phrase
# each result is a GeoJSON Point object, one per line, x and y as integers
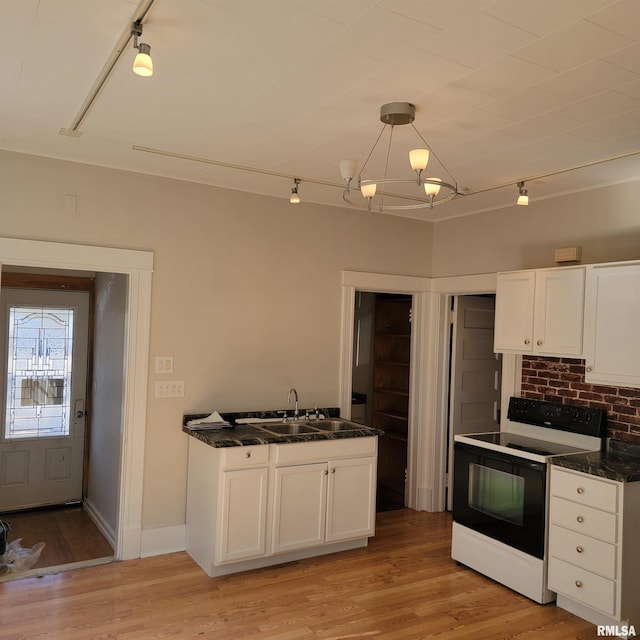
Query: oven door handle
{"type": "Point", "coordinates": [482, 452]}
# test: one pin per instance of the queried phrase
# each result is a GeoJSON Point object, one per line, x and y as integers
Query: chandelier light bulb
{"type": "Point", "coordinates": [368, 190]}
{"type": "Point", "coordinates": [419, 159]}
{"type": "Point", "coordinates": [294, 198]}
{"type": "Point", "coordinates": [432, 189]}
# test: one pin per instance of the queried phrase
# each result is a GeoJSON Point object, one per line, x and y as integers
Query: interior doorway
{"type": "Point", "coordinates": [475, 373]}
{"type": "Point", "coordinates": [380, 385]}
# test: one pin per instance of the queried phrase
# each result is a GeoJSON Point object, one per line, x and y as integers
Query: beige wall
{"type": "Point", "coordinates": [246, 289]}
{"type": "Point", "coordinates": [604, 221]}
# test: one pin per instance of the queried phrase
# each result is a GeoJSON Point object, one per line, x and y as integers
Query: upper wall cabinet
{"type": "Point", "coordinates": [612, 325]}
{"type": "Point", "coordinates": [540, 312]}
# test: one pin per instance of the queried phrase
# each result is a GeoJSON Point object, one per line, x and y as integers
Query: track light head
{"type": "Point", "coordinates": [294, 198]}
{"type": "Point", "coordinates": [523, 195]}
{"type": "Point", "coordinates": [143, 64]}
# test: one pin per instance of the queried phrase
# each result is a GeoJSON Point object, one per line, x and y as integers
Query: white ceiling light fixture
{"type": "Point", "coordinates": [294, 198]}
{"type": "Point", "coordinates": [523, 195]}
{"type": "Point", "coordinates": [429, 192]}
{"type": "Point", "coordinates": [143, 64]}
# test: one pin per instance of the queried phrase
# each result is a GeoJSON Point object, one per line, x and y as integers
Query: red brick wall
{"type": "Point", "coordinates": [562, 380]}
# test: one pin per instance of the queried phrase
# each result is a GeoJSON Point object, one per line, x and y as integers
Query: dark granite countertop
{"type": "Point", "coordinates": [243, 435]}
{"type": "Point", "coordinates": [620, 461]}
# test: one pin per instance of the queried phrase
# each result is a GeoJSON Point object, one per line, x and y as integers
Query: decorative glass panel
{"type": "Point", "coordinates": [39, 348]}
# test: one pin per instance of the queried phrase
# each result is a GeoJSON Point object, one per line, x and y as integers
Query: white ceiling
{"type": "Point", "coordinates": [505, 90]}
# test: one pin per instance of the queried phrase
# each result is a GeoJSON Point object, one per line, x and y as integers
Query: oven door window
{"type": "Point", "coordinates": [496, 493]}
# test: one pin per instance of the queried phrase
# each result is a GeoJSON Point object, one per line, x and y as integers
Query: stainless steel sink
{"type": "Point", "coordinates": [336, 425]}
{"type": "Point", "coordinates": [288, 428]}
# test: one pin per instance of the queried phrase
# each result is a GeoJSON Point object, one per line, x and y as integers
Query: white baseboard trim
{"type": "Point", "coordinates": [105, 528]}
{"type": "Point", "coordinates": [162, 540]}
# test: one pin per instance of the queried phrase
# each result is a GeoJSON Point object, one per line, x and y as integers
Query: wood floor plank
{"type": "Point", "coordinates": [403, 586]}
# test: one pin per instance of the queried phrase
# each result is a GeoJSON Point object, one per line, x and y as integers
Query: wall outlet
{"type": "Point", "coordinates": [164, 364]}
{"type": "Point", "coordinates": [170, 389]}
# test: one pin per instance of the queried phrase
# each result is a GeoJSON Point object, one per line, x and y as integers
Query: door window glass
{"type": "Point", "coordinates": [496, 493]}
{"type": "Point", "coordinates": [38, 393]}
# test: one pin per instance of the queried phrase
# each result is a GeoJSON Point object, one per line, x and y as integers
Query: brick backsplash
{"type": "Point", "coordinates": [562, 380]}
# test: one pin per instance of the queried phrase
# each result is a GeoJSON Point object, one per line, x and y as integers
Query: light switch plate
{"type": "Point", "coordinates": [164, 364]}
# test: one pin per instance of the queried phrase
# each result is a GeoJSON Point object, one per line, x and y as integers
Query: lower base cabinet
{"type": "Point", "coordinates": [249, 507]}
{"type": "Point", "coordinates": [594, 558]}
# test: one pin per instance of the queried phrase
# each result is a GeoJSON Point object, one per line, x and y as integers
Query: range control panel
{"type": "Point", "coordinates": [564, 417]}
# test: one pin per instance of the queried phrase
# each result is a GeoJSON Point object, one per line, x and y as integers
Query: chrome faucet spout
{"type": "Point", "coordinates": [296, 414]}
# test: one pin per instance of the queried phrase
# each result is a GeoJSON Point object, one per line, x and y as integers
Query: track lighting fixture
{"type": "Point", "coordinates": [294, 198]}
{"type": "Point", "coordinates": [523, 197]}
{"type": "Point", "coordinates": [142, 65]}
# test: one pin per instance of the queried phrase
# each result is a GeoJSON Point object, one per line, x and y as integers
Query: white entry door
{"type": "Point", "coordinates": [44, 366]}
{"type": "Point", "coordinates": [475, 372]}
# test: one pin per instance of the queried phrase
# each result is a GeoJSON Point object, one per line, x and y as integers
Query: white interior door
{"type": "Point", "coordinates": [475, 372]}
{"type": "Point", "coordinates": [44, 364]}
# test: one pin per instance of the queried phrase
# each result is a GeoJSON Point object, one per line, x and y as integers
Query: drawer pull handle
{"type": "Point", "coordinates": [580, 519]}
{"type": "Point", "coordinates": [579, 584]}
{"type": "Point", "coordinates": [580, 490]}
{"type": "Point", "coordinates": [579, 549]}
{"type": "Point", "coordinates": [248, 454]}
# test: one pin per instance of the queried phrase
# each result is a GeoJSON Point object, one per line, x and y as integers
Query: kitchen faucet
{"type": "Point", "coordinates": [296, 413]}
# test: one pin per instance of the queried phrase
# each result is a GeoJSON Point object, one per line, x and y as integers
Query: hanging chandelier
{"type": "Point", "coordinates": [392, 194]}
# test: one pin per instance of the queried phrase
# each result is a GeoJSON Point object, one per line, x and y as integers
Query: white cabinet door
{"type": "Point", "coordinates": [351, 499]}
{"type": "Point", "coordinates": [540, 312]}
{"type": "Point", "coordinates": [242, 516]}
{"type": "Point", "coordinates": [514, 312]}
{"type": "Point", "coordinates": [612, 337]}
{"type": "Point", "coordinates": [559, 312]}
{"type": "Point", "coordinates": [300, 503]}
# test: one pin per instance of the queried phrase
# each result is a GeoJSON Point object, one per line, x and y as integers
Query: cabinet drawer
{"type": "Point", "coordinates": [586, 552]}
{"type": "Point", "coordinates": [586, 520]}
{"type": "Point", "coordinates": [582, 586]}
{"type": "Point", "coordinates": [585, 489]}
{"type": "Point", "coordinates": [323, 450]}
{"type": "Point", "coordinates": [245, 457]}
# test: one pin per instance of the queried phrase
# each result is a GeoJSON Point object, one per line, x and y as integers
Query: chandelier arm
{"type": "Point", "coordinates": [375, 144]}
{"type": "Point", "coordinates": [435, 155]}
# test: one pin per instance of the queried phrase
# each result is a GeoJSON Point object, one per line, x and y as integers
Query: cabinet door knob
{"type": "Point", "coordinates": [579, 549]}
{"type": "Point", "coordinates": [589, 369]}
{"type": "Point", "coordinates": [580, 519]}
{"type": "Point", "coordinates": [333, 470]}
{"type": "Point", "coordinates": [579, 584]}
{"type": "Point", "coordinates": [539, 343]}
{"type": "Point", "coordinates": [326, 472]}
{"type": "Point", "coordinates": [248, 454]}
{"type": "Point", "coordinates": [527, 341]}
{"type": "Point", "coordinates": [580, 489]}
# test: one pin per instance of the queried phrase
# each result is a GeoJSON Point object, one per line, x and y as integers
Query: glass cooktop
{"type": "Point", "coordinates": [517, 442]}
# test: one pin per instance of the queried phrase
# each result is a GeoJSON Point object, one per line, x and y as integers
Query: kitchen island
{"type": "Point", "coordinates": [257, 498]}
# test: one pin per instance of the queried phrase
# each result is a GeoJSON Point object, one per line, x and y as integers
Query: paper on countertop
{"type": "Point", "coordinates": [212, 421]}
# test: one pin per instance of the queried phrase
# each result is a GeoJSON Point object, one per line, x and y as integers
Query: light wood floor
{"type": "Point", "coordinates": [404, 586]}
{"type": "Point", "coordinates": [69, 535]}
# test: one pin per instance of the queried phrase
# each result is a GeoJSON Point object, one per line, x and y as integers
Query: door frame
{"type": "Point", "coordinates": [429, 379]}
{"type": "Point", "coordinates": [138, 266]}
